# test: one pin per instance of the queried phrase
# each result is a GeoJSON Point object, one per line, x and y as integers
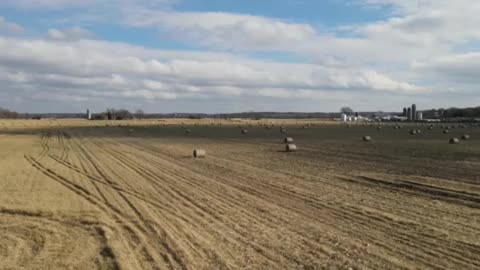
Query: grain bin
{"type": "Point", "coordinates": [199, 153]}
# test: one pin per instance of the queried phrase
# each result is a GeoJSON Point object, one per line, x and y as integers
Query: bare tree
{"type": "Point", "coordinates": [346, 110]}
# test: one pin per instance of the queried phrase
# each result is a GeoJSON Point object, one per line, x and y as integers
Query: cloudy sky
{"type": "Point", "coordinates": [238, 55]}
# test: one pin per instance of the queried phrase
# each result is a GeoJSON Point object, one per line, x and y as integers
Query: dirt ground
{"type": "Point", "coordinates": [78, 194]}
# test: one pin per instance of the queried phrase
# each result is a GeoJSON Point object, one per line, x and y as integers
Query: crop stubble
{"type": "Point", "coordinates": [86, 198]}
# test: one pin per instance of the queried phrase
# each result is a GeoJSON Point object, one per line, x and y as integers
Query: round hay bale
{"type": "Point", "coordinates": [288, 140]}
{"type": "Point", "coordinates": [454, 141]}
{"type": "Point", "coordinates": [419, 131]}
{"type": "Point", "coordinates": [367, 138]}
{"type": "Point", "coordinates": [430, 128]}
{"type": "Point", "coordinates": [199, 153]}
{"type": "Point", "coordinates": [244, 131]}
{"type": "Point", "coordinates": [465, 137]}
{"type": "Point", "coordinates": [413, 132]}
{"type": "Point", "coordinates": [445, 131]}
{"type": "Point", "coordinates": [290, 147]}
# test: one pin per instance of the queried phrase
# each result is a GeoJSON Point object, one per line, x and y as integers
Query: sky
{"type": "Point", "coordinates": [222, 56]}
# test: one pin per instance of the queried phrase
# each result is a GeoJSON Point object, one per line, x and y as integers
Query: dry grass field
{"type": "Point", "coordinates": [128, 195]}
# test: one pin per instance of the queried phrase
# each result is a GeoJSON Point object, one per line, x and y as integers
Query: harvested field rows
{"type": "Point", "coordinates": [107, 198]}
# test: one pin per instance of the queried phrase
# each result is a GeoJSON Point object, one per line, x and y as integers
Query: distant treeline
{"type": "Point", "coordinates": [473, 112]}
{"type": "Point", "coordinates": [6, 114]}
{"type": "Point", "coordinates": [124, 114]}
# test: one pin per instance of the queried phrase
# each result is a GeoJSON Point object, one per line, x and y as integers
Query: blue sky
{"type": "Point", "coordinates": [229, 56]}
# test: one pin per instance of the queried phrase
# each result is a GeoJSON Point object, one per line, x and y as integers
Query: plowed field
{"type": "Point", "coordinates": [89, 195]}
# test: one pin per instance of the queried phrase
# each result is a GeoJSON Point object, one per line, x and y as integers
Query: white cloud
{"type": "Point", "coordinates": [71, 34]}
{"type": "Point", "coordinates": [425, 47]}
{"type": "Point", "coordinates": [457, 69]}
{"type": "Point", "coordinates": [104, 69]}
{"type": "Point", "coordinates": [225, 30]}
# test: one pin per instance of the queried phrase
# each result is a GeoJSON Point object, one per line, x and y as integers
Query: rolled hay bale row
{"type": "Point", "coordinates": [288, 140]}
{"type": "Point", "coordinates": [199, 153]}
{"type": "Point", "coordinates": [290, 147]}
{"type": "Point", "coordinates": [454, 141]}
{"type": "Point", "coordinates": [465, 137]}
{"type": "Point", "coordinates": [367, 138]}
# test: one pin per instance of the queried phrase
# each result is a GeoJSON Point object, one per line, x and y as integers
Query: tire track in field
{"type": "Point", "coordinates": [126, 228]}
{"type": "Point", "coordinates": [250, 191]}
{"type": "Point", "coordinates": [312, 178]}
{"type": "Point", "coordinates": [405, 239]}
{"type": "Point", "coordinates": [178, 196]}
{"type": "Point", "coordinates": [167, 251]}
{"type": "Point", "coordinates": [174, 214]}
{"type": "Point", "coordinates": [178, 177]}
{"type": "Point", "coordinates": [266, 195]}
{"type": "Point", "coordinates": [429, 238]}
